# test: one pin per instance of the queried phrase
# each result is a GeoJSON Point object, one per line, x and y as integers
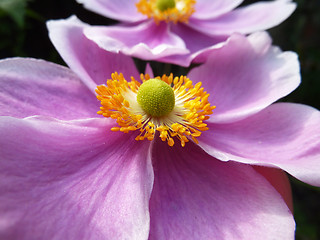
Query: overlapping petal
{"type": "Point", "coordinates": [147, 40]}
{"type": "Point", "coordinates": [178, 44]}
{"type": "Point", "coordinates": [283, 135]}
{"type": "Point", "coordinates": [33, 87]}
{"type": "Point", "coordinates": [72, 180]}
{"type": "Point", "coordinates": [246, 75]}
{"type": "Point", "coordinates": [198, 197]}
{"type": "Point", "coordinates": [199, 46]}
{"type": "Point", "coordinates": [91, 63]}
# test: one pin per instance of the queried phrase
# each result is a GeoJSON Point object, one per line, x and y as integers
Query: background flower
{"type": "Point", "coordinates": [211, 23]}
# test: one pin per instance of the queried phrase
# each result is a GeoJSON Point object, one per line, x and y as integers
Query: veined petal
{"type": "Point", "coordinates": [197, 197]}
{"type": "Point", "coordinates": [148, 40]}
{"type": "Point", "coordinates": [91, 63]}
{"type": "Point", "coordinates": [245, 75]}
{"type": "Point", "coordinates": [248, 19]}
{"type": "Point", "coordinates": [283, 135]}
{"type": "Point", "coordinates": [72, 180]}
{"type": "Point", "coordinates": [209, 9]}
{"type": "Point", "coordinates": [36, 87]}
{"type": "Point", "coordinates": [122, 10]}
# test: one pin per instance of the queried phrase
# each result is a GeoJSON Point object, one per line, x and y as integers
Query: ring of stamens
{"type": "Point", "coordinates": [178, 12]}
{"type": "Point", "coordinates": [119, 101]}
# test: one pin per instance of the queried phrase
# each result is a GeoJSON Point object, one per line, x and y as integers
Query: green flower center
{"type": "Point", "coordinates": [164, 5]}
{"type": "Point", "coordinates": [156, 97]}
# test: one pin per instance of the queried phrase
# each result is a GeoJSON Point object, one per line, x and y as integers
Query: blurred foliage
{"type": "Point", "coordinates": [23, 33]}
{"type": "Point", "coordinates": [15, 9]}
{"type": "Point", "coordinates": [306, 201]}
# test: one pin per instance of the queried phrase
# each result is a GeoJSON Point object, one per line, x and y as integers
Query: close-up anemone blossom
{"type": "Point", "coordinates": [87, 154]}
{"type": "Point", "coordinates": [177, 31]}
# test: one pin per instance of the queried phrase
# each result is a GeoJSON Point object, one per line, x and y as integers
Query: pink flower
{"type": "Point", "coordinates": [65, 175]}
{"type": "Point", "coordinates": [179, 34]}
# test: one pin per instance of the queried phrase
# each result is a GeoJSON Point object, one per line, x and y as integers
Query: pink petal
{"type": "Point", "coordinates": [245, 75]}
{"type": "Point", "coordinates": [197, 197]}
{"type": "Point", "coordinates": [122, 10]}
{"type": "Point", "coordinates": [209, 9]}
{"type": "Point", "coordinates": [195, 41]}
{"type": "Point", "coordinates": [35, 87]}
{"type": "Point", "coordinates": [199, 45]}
{"type": "Point", "coordinates": [72, 180]}
{"type": "Point", "coordinates": [148, 40]}
{"type": "Point", "coordinates": [283, 135]}
{"type": "Point", "coordinates": [91, 63]}
{"type": "Point", "coordinates": [280, 181]}
{"type": "Point", "coordinates": [176, 44]}
{"type": "Point", "coordinates": [248, 19]}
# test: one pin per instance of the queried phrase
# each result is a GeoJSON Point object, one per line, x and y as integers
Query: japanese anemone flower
{"type": "Point", "coordinates": [67, 172]}
{"type": "Point", "coordinates": [177, 31]}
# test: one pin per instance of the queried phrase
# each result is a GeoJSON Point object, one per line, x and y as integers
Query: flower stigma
{"type": "Point", "coordinates": [167, 10]}
{"type": "Point", "coordinates": [164, 5]}
{"type": "Point", "coordinates": [172, 106]}
{"type": "Point", "coordinates": [156, 97]}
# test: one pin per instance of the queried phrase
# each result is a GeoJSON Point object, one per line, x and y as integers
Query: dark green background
{"type": "Point", "coordinates": [23, 33]}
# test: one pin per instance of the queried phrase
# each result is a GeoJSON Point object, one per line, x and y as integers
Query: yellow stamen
{"type": "Point", "coordinates": [185, 122]}
{"type": "Point", "coordinates": [169, 11]}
